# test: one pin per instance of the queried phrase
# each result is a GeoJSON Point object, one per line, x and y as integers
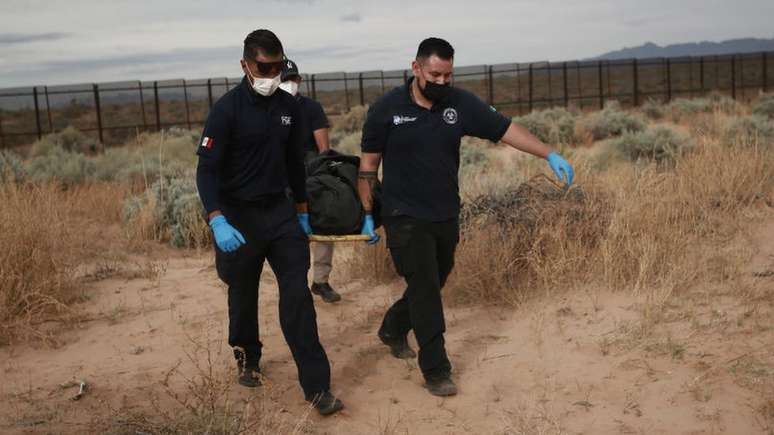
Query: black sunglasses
{"type": "Point", "coordinates": [269, 68]}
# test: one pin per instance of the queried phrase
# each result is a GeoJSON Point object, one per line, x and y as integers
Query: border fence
{"type": "Point", "coordinates": [114, 112]}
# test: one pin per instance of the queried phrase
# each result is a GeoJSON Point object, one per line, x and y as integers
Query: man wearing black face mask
{"type": "Point", "coordinates": [417, 129]}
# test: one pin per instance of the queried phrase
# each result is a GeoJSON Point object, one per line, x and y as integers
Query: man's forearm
{"type": "Point", "coordinates": [321, 139]}
{"type": "Point", "coordinates": [365, 184]}
{"type": "Point", "coordinates": [520, 138]}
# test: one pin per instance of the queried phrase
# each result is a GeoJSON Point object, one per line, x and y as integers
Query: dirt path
{"type": "Point", "coordinates": [584, 362]}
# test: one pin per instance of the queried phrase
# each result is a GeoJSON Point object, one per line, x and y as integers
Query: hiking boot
{"type": "Point", "coordinates": [325, 291]}
{"type": "Point", "coordinates": [326, 403]}
{"type": "Point", "coordinates": [442, 387]}
{"type": "Point", "coordinates": [247, 366]}
{"type": "Point", "coordinates": [399, 347]}
{"type": "Point", "coordinates": [250, 378]}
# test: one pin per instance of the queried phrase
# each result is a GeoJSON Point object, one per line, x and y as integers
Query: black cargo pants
{"type": "Point", "coordinates": [272, 233]}
{"type": "Point", "coordinates": [423, 253]}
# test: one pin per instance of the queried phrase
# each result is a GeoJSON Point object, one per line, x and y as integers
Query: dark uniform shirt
{"type": "Point", "coordinates": [421, 149]}
{"type": "Point", "coordinates": [315, 118]}
{"type": "Point", "coordinates": [251, 149]}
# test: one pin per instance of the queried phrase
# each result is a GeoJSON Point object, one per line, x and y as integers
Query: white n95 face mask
{"type": "Point", "coordinates": [290, 87]}
{"type": "Point", "coordinates": [266, 87]}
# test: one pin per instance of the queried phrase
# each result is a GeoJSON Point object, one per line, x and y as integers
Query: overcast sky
{"type": "Point", "coordinates": [76, 41]}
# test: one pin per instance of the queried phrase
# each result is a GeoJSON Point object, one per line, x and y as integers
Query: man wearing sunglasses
{"type": "Point", "coordinates": [417, 129]}
{"type": "Point", "coordinates": [315, 143]}
{"type": "Point", "coordinates": [251, 152]}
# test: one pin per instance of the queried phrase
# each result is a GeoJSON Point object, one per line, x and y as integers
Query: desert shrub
{"type": "Point", "coordinates": [351, 121]}
{"type": "Point", "coordinates": [750, 130]}
{"type": "Point", "coordinates": [553, 126]}
{"type": "Point", "coordinates": [659, 143]}
{"type": "Point", "coordinates": [764, 106]}
{"type": "Point", "coordinates": [61, 166]}
{"type": "Point", "coordinates": [610, 121]}
{"type": "Point", "coordinates": [653, 109]}
{"type": "Point", "coordinates": [515, 241]}
{"type": "Point", "coordinates": [11, 167]}
{"type": "Point", "coordinates": [714, 102]}
{"type": "Point", "coordinates": [70, 139]}
{"type": "Point", "coordinates": [169, 211]}
{"type": "Point", "coordinates": [346, 143]}
{"type": "Point", "coordinates": [149, 157]}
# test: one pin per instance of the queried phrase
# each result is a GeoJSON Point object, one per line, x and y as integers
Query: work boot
{"type": "Point", "coordinates": [399, 347]}
{"type": "Point", "coordinates": [442, 387]}
{"type": "Point", "coordinates": [325, 403]}
{"type": "Point", "coordinates": [325, 291]}
{"type": "Point", "coordinates": [249, 371]}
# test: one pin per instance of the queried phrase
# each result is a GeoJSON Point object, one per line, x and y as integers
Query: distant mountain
{"type": "Point", "coordinates": [704, 48]}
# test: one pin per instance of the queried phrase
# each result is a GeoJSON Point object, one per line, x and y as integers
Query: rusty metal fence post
{"type": "Point", "coordinates": [187, 109]}
{"type": "Point", "coordinates": [209, 93]}
{"type": "Point", "coordinates": [668, 73]}
{"type": "Point", "coordinates": [48, 111]}
{"type": "Point", "coordinates": [95, 87]}
{"type": "Point", "coordinates": [490, 84]}
{"type": "Point", "coordinates": [314, 88]}
{"type": "Point", "coordinates": [156, 104]}
{"type": "Point", "coordinates": [37, 111]}
{"type": "Point", "coordinates": [142, 107]}
{"type": "Point", "coordinates": [564, 85]}
{"type": "Point", "coordinates": [529, 89]}
{"type": "Point", "coordinates": [701, 75]}
{"type": "Point", "coordinates": [635, 83]}
{"type": "Point", "coordinates": [733, 77]}
{"type": "Point", "coordinates": [360, 88]}
{"type": "Point", "coordinates": [764, 72]}
{"type": "Point", "coordinates": [599, 83]}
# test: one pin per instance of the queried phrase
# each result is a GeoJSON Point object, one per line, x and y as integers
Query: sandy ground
{"type": "Point", "coordinates": [579, 362]}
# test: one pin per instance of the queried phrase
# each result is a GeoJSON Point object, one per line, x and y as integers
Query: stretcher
{"type": "Point", "coordinates": [343, 238]}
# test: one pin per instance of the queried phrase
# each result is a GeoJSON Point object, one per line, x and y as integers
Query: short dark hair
{"type": "Point", "coordinates": [264, 41]}
{"type": "Point", "coordinates": [435, 46]}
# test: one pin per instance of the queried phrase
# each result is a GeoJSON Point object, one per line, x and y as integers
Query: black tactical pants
{"type": "Point", "coordinates": [423, 253]}
{"type": "Point", "coordinates": [273, 233]}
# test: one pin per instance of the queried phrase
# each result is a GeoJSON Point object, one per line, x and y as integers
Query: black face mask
{"type": "Point", "coordinates": [435, 92]}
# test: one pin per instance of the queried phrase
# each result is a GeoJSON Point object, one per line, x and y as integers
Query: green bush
{"type": "Point", "coordinates": [713, 102]}
{"type": "Point", "coordinates": [70, 139]}
{"type": "Point", "coordinates": [611, 121]}
{"type": "Point", "coordinates": [553, 126]}
{"type": "Point", "coordinates": [750, 130]}
{"type": "Point", "coordinates": [173, 210]}
{"type": "Point", "coordinates": [764, 106]}
{"type": "Point", "coordinates": [151, 156]}
{"type": "Point", "coordinates": [659, 143]}
{"type": "Point", "coordinates": [61, 166]}
{"type": "Point", "coordinates": [11, 167]}
{"type": "Point", "coordinates": [653, 109]}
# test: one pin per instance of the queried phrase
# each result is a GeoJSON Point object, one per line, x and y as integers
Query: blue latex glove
{"type": "Point", "coordinates": [227, 238]}
{"type": "Point", "coordinates": [303, 219]}
{"type": "Point", "coordinates": [561, 168]}
{"type": "Point", "coordinates": [368, 229]}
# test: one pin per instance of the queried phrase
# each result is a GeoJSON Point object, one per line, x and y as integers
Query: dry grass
{"type": "Point", "coordinates": [47, 233]}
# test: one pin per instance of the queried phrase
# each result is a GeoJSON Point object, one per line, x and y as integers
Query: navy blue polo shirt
{"type": "Point", "coordinates": [421, 149]}
{"type": "Point", "coordinates": [315, 118]}
{"type": "Point", "coordinates": [251, 148]}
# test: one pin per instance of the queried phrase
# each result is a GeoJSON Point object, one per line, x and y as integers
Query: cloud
{"type": "Point", "coordinates": [354, 17]}
{"type": "Point", "coordinates": [22, 38]}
